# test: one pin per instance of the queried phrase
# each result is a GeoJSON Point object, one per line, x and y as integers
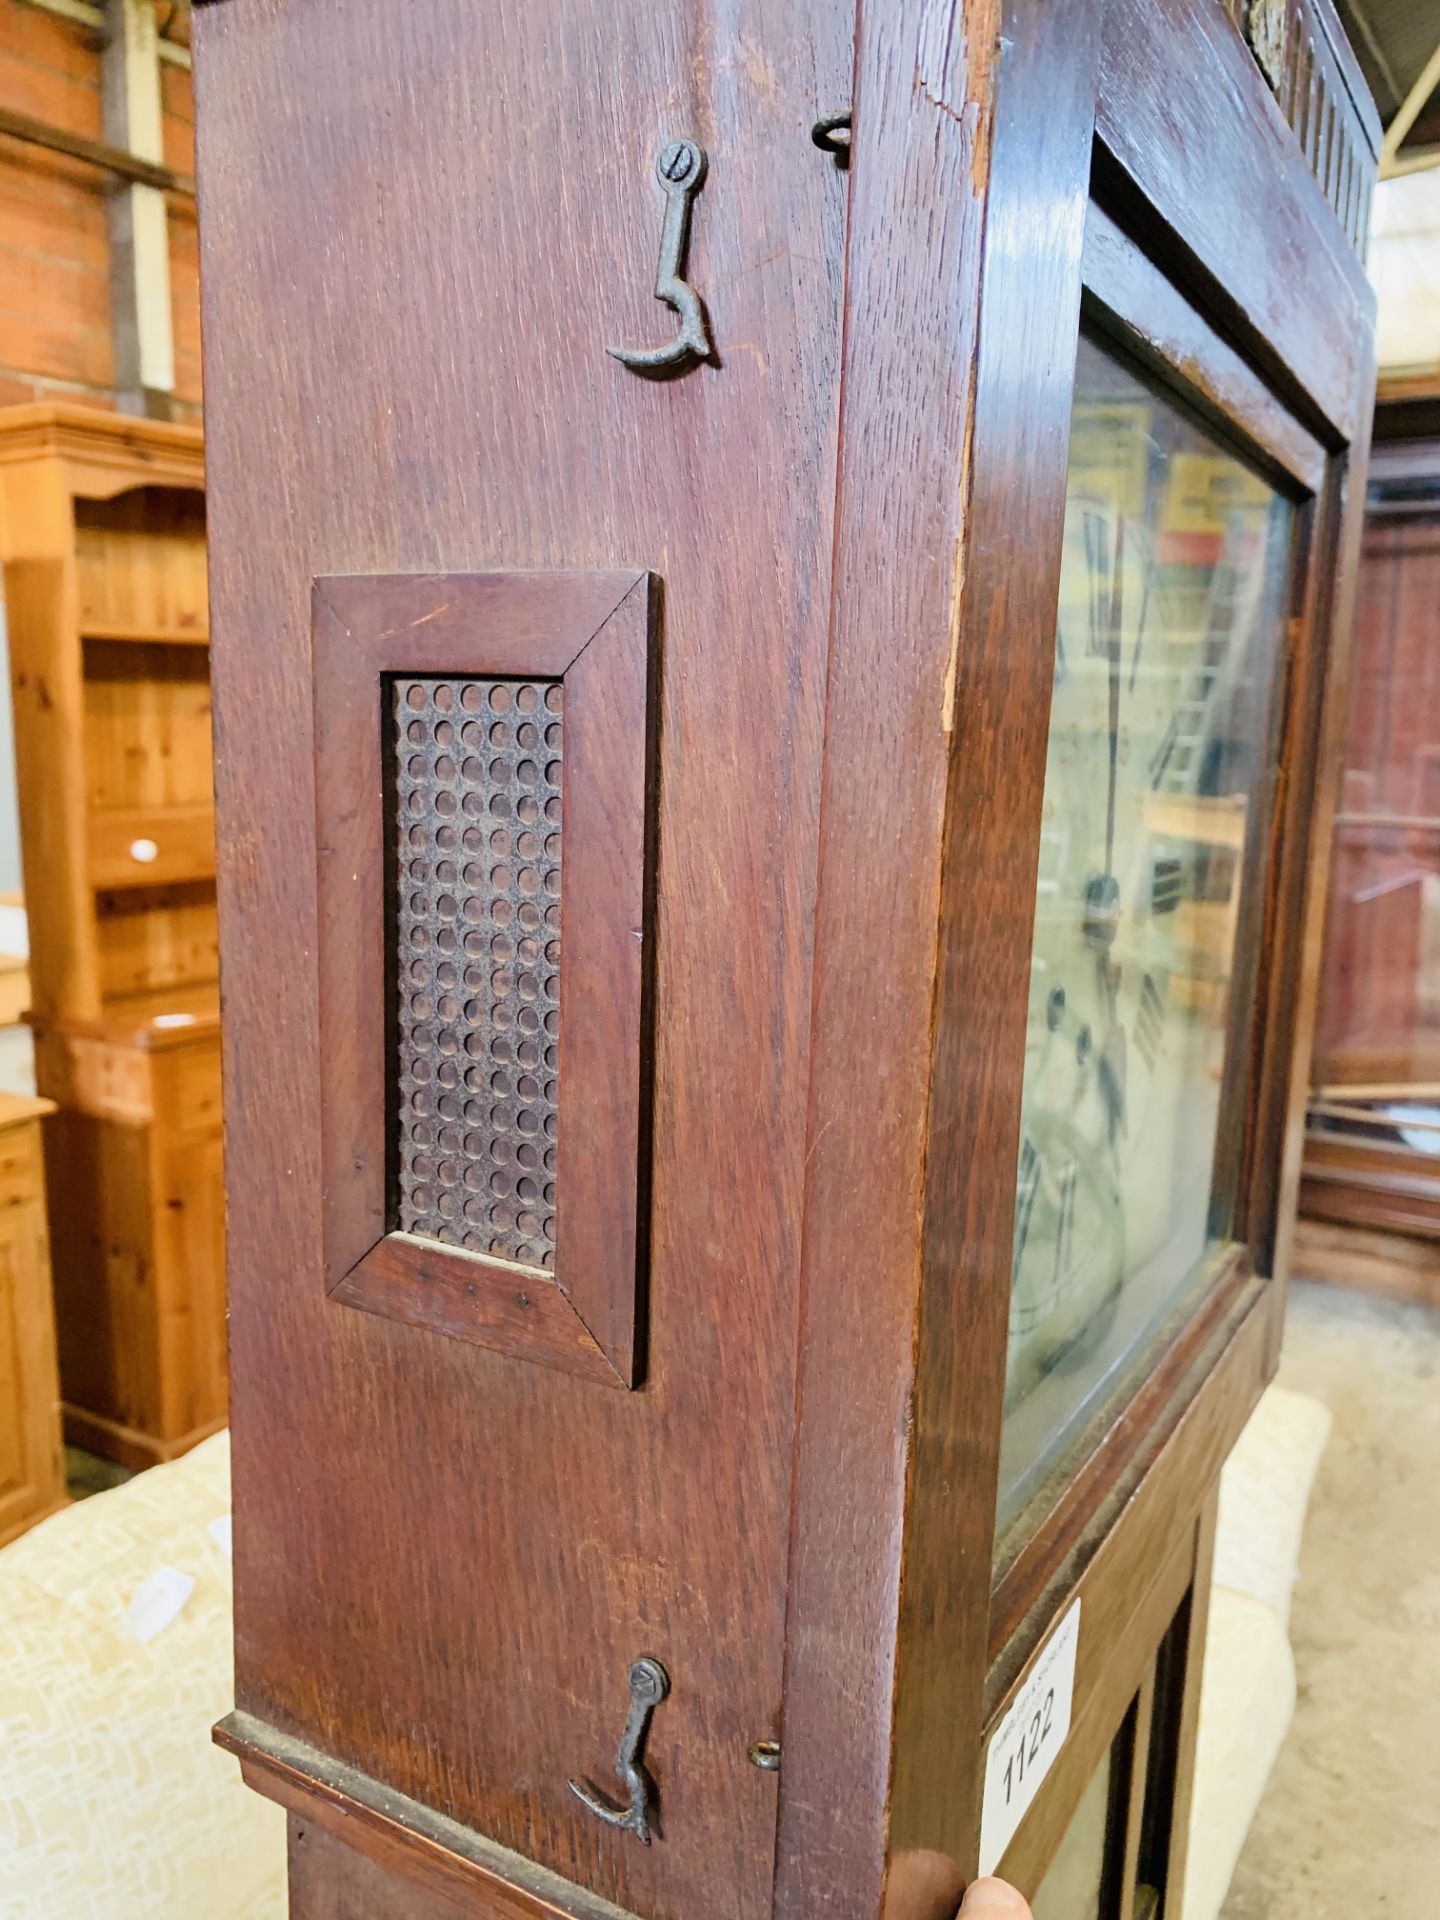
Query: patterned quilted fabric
{"type": "Point", "coordinates": [114, 1805]}
{"type": "Point", "coordinates": [1264, 1492]}
{"type": "Point", "coordinates": [1247, 1698]}
{"type": "Point", "coordinates": [1247, 1695]}
{"type": "Point", "coordinates": [113, 1802]}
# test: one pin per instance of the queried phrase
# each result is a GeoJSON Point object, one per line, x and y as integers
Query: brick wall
{"type": "Point", "coordinates": [55, 331]}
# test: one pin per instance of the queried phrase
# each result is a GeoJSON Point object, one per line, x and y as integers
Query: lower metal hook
{"type": "Point", "coordinates": [649, 1684]}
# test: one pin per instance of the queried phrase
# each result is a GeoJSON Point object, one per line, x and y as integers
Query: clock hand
{"type": "Point", "coordinates": [1147, 575]}
{"type": "Point", "coordinates": [1111, 1077]}
{"type": "Point", "coordinates": [1027, 1191]}
{"type": "Point", "coordinates": [1111, 1068]}
{"type": "Point", "coordinates": [1117, 607]}
{"type": "Point", "coordinates": [1102, 890]}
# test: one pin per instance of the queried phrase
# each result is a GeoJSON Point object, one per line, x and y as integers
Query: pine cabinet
{"type": "Point", "coordinates": [102, 520]}
{"type": "Point", "coordinates": [32, 1463]}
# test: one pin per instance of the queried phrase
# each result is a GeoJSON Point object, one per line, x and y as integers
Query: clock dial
{"type": "Point", "coordinates": [1168, 632]}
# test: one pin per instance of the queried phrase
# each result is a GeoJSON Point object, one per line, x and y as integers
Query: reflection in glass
{"type": "Point", "coordinates": [1074, 1882]}
{"type": "Point", "coordinates": [1169, 629]}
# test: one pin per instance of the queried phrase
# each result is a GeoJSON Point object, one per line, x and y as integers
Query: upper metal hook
{"type": "Point", "coordinates": [681, 169]}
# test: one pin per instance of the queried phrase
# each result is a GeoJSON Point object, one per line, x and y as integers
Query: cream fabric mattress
{"type": "Point", "coordinates": [114, 1804]}
{"type": "Point", "coordinates": [115, 1661]}
{"type": "Point", "coordinates": [1247, 1697]}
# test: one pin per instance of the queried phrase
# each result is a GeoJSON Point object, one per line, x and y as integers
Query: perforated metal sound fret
{"type": "Point", "coordinates": [477, 793]}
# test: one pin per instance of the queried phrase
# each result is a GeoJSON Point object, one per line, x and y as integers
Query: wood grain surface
{"type": "Point", "coordinates": [423, 228]}
{"type": "Point", "coordinates": [1219, 176]}
{"type": "Point", "coordinates": [330, 1879]}
{"type": "Point", "coordinates": [32, 1463]}
{"type": "Point", "coordinates": [391, 1855]}
{"type": "Point", "coordinates": [921, 157]}
{"type": "Point", "coordinates": [415, 260]}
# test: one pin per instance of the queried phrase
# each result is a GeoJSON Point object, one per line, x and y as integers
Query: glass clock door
{"type": "Point", "coordinates": [1170, 629]}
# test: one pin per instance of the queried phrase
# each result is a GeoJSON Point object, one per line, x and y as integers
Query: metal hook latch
{"type": "Point", "coordinates": [649, 1684]}
{"type": "Point", "coordinates": [831, 133]}
{"type": "Point", "coordinates": [681, 168]}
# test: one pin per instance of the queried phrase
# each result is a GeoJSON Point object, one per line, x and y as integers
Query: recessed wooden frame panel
{"type": "Point", "coordinates": [590, 632]}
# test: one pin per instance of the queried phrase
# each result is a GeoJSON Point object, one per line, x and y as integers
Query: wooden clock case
{"type": "Point", "coordinates": [762, 1446]}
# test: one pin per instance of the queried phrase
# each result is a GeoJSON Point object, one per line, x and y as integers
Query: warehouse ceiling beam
{"type": "Point", "coordinates": [1392, 162]}
{"type": "Point", "coordinates": [139, 233]}
{"type": "Point", "coordinates": [86, 13]}
{"type": "Point", "coordinates": [95, 153]}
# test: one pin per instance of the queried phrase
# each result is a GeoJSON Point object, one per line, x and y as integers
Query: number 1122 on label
{"type": "Point", "coordinates": [1024, 1746]}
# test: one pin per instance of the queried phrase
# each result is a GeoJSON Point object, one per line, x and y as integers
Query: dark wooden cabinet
{"type": "Point", "coordinates": [1370, 1167]}
{"type": "Point", "coordinates": [766, 917]}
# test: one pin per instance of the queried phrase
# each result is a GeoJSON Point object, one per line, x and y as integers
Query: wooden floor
{"type": "Point", "coordinates": [1391, 1266]}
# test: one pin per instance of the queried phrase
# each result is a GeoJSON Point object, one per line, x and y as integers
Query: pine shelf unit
{"type": "Point", "coordinates": [32, 1465]}
{"type": "Point", "coordinates": [102, 534]}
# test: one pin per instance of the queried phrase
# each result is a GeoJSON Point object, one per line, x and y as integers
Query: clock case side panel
{"type": "Point", "coordinates": [446, 1558]}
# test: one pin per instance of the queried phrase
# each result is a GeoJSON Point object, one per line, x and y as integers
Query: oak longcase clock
{"type": "Point", "coordinates": [778, 587]}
